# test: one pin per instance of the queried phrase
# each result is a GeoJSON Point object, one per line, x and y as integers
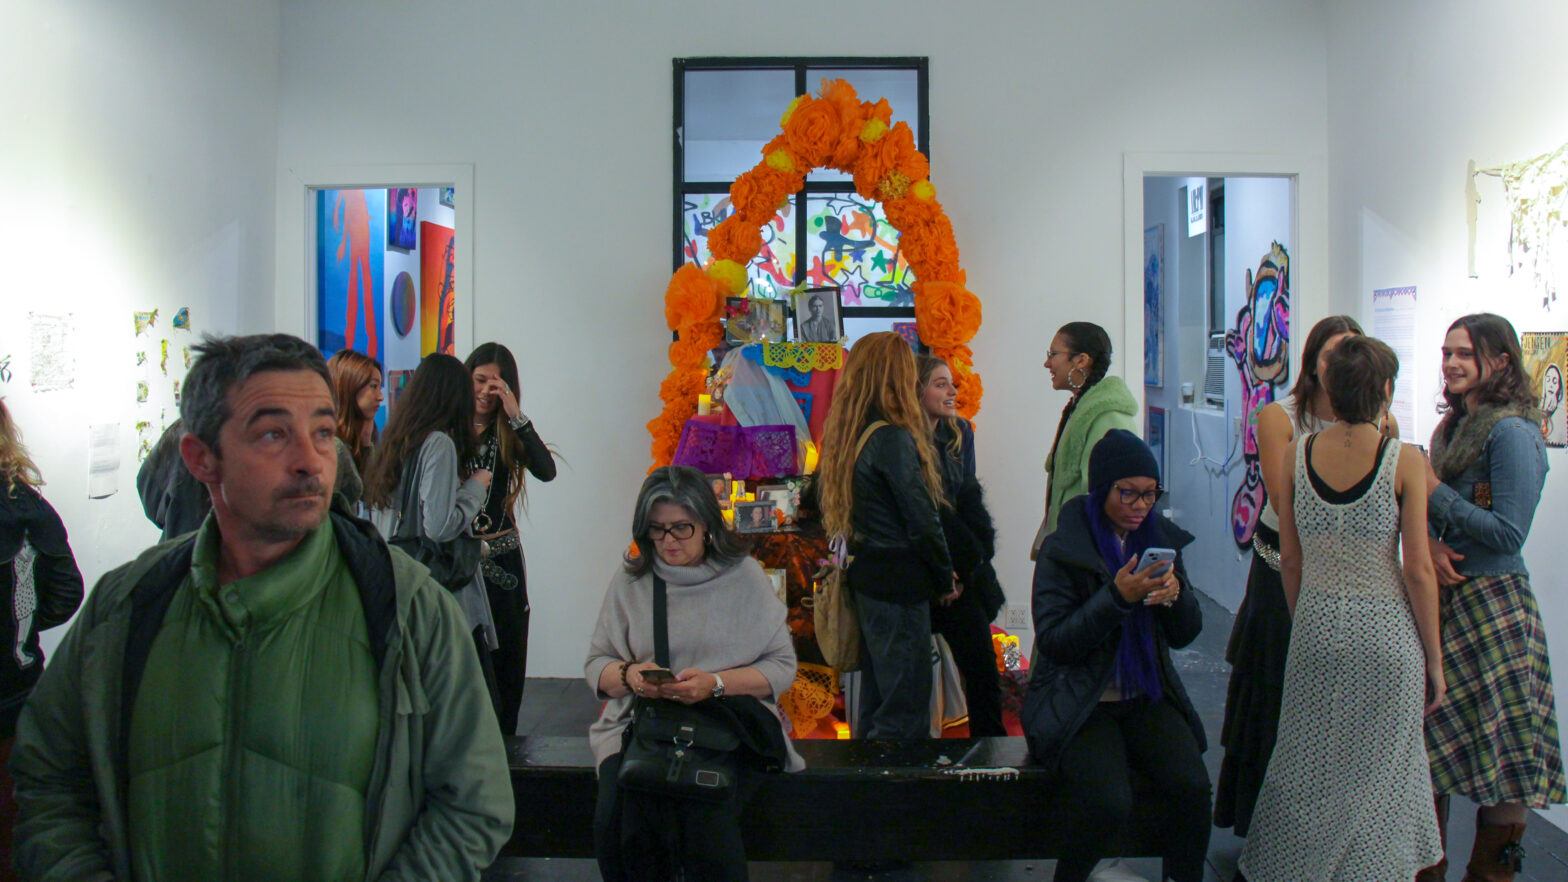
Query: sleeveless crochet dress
{"type": "Point", "coordinates": [1348, 795]}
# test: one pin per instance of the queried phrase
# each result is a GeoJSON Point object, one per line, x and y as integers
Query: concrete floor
{"type": "Point", "coordinates": [566, 707]}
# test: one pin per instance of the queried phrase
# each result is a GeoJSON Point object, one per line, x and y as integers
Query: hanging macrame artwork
{"type": "Point", "coordinates": [1537, 194]}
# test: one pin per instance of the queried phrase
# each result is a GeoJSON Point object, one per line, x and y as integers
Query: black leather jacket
{"type": "Point", "coordinates": [56, 591]}
{"type": "Point", "coordinates": [900, 554]}
{"type": "Point", "coordinates": [1078, 616]}
{"type": "Point", "coordinates": [966, 523]}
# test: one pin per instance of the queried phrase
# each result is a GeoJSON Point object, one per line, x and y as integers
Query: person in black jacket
{"type": "Point", "coordinates": [1104, 699]}
{"type": "Point", "coordinates": [965, 622]}
{"type": "Point", "coordinates": [40, 588]}
{"type": "Point", "coordinates": [880, 487]}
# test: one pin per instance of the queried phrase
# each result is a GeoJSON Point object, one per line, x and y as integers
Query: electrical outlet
{"type": "Point", "coordinates": [1015, 616]}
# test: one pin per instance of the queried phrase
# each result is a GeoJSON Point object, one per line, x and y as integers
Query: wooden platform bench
{"type": "Point", "coordinates": [857, 801]}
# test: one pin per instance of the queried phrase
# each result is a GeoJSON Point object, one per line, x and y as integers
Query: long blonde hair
{"type": "Point", "coordinates": [15, 463]}
{"type": "Point", "coordinates": [879, 376]}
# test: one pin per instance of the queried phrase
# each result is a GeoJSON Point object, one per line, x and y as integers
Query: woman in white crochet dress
{"type": "Point", "coordinates": [1347, 794]}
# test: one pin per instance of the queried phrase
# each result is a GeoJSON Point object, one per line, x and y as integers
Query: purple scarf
{"type": "Point", "coordinates": [1137, 671]}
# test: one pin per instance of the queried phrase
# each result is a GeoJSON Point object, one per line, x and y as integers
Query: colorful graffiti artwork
{"type": "Point", "coordinates": [349, 256]}
{"type": "Point", "coordinates": [851, 244]}
{"type": "Point", "coordinates": [436, 307]}
{"type": "Point", "coordinates": [772, 273]}
{"type": "Point", "coordinates": [1260, 346]}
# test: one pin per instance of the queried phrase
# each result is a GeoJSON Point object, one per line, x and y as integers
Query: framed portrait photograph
{"type": "Point", "coordinates": [818, 318]}
{"type": "Point", "coordinates": [737, 321]}
{"type": "Point", "coordinates": [769, 320]}
{"type": "Point", "coordinates": [785, 498]}
{"type": "Point", "coordinates": [721, 489]}
{"type": "Point", "coordinates": [754, 516]}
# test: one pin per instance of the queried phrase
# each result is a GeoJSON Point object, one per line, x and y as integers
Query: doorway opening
{"type": "Point", "coordinates": [1217, 348]}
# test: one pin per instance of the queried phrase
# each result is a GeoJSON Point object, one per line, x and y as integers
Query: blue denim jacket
{"type": "Point", "coordinates": [1492, 539]}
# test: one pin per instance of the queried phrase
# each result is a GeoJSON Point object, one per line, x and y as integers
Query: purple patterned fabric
{"type": "Point", "coordinates": [754, 452]}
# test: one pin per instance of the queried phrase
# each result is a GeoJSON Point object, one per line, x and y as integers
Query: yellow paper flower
{"type": "Point", "coordinates": [780, 160]}
{"type": "Point", "coordinates": [923, 191]}
{"type": "Point", "coordinates": [729, 276]}
{"type": "Point", "coordinates": [872, 131]}
{"type": "Point", "coordinates": [790, 110]}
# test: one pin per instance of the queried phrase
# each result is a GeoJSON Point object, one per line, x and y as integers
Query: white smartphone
{"type": "Point", "coordinates": [1155, 556]}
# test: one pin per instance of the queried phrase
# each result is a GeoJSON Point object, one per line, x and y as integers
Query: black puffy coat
{"type": "Point", "coordinates": [51, 585]}
{"type": "Point", "coordinates": [1078, 615]}
{"type": "Point", "coordinates": [966, 523]}
{"type": "Point", "coordinates": [900, 553]}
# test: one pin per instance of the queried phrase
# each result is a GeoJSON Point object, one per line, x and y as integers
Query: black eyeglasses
{"type": "Point", "coordinates": [682, 530]}
{"type": "Point", "coordinates": [1147, 497]}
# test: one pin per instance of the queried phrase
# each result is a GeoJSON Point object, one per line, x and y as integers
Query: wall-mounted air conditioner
{"type": "Point", "coordinates": [1214, 371]}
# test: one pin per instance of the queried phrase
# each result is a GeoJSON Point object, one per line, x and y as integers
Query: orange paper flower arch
{"type": "Point", "coordinates": [838, 130]}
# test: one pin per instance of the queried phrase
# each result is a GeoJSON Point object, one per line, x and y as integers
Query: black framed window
{"type": "Point", "coordinates": [726, 109]}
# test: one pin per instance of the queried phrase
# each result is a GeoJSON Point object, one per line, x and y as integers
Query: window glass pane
{"type": "Point", "coordinates": [729, 115]}
{"type": "Point", "coordinates": [772, 272]}
{"type": "Point", "coordinates": [850, 243]}
{"type": "Point", "coordinates": [857, 327]}
{"type": "Point", "coordinates": [901, 88]}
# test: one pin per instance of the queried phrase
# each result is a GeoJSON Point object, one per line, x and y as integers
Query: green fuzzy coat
{"type": "Point", "coordinates": [1105, 406]}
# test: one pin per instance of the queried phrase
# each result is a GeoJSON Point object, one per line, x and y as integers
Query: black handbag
{"type": "Point", "coordinates": [453, 563]}
{"type": "Point", "coordinates": [673, 749]}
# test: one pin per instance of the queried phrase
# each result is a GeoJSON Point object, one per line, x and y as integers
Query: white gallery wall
{"type": "Point", "coordinates": [1456, 81]}
{"type": "Point", "coordinates": [564, 111]}
{"type": "Point", "coordinates": [136, 173]}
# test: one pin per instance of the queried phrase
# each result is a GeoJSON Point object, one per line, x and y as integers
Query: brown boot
{"type": "Point", "coordinates": [1438, 872]}
{"type": "Point", "coordinates": [1497, 855]}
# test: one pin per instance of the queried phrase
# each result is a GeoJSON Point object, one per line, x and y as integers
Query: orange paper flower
{"type": "Point", "coordinates": [812, 130]}
{"type": "Point", "coordinates": [757, 194]}
{"type": "Point", "coordinates": [735, 239]}
{"type": "Point", "coordinates": [690, 298]}
{"type": "Point", "coordinates": [947, 314]}
{"type": "Point", "coordinates": [694, 344]}
{"type": "Point", "coordinates": [852, 116]}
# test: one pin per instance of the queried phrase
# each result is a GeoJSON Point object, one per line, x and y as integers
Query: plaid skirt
{"type": "Point", "coordinates": [1494, 740]}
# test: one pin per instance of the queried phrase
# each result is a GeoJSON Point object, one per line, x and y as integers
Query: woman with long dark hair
{"type": "Point", "coordinates": [428, 443]}
{"type": "Point", "coordinates": [356, 392]}
{"type": "Point", "coordinates": [1261, 635]}
{"type": "Point", "coordinates": [1079, 357]}
{"type": "Point", "coordinates": [507, 443]}
{"type": "Point", "coordinates": [880, 485]}
{"type": "Point", "coordinates": [965, 622]}
{"type": "Point", "coordinates": [1495, 740]}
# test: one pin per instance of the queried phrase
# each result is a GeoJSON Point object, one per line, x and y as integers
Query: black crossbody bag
{"type": "Point", "coordinates": [673, 749]}
{"type": "Point", "coordinates": [453, 563]}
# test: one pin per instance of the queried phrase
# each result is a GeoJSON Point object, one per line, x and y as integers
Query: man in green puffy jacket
{"type": "Point", "coordinates": [277, 696]}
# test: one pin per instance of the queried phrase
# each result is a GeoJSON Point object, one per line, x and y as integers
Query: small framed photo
{"type": "Point", "coordinates": [785, 498]}
{"type": "Point", "coordinates": [769, 320]}
{"type": "Point", "coordinates": [721, 490]}
{"type": "Point", "coordinates": [754, 516]}
{"type": "Point", "coordinates": [818, 318]}
{"type": "Point", "coordinates": [737, 321]}
{"type": "Point", "coordinates": [779, 585]}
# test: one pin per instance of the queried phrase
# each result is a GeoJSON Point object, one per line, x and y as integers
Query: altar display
{"type": "Point", "coordinates": [752, 372]}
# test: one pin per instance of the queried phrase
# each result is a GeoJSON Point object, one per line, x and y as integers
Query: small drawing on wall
{"type": "Point", "coordinates": [182, 319]}
{"type": "Point", "coordinates": [144, 320]}
{"type": "Point", "coordinates": [1546, 361]}
{"type": "Point", "coordinates": [1154, 305]}
{"type": "Point", "coordinates": [448, 197]}
{"type": "Point", "coordinates": [52, 361]}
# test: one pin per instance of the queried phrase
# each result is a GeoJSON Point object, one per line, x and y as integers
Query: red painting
{"type": "Point", "coordinates": [436, 289]}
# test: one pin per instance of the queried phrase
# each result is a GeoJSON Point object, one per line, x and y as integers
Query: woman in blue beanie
{"type": "Point", "coordinates": [1105, 698]}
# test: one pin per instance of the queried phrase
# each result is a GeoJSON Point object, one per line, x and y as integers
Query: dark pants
{"type": "Point", "coordinates": [8, 810]}
{"type": "Point", "coordinates": [895, 668]}
{"type": "Point", "coordinates": [509, 608]}
{"type": "Point", "coordinates": [1154, 740]}
{"type": "Point", "coordinates": [705, 845]}
{"type": "Point", "coordinates": [964, 626]}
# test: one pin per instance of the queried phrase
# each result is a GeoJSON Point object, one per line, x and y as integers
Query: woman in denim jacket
{"type": "Point", "coordinates": [1495, 738]}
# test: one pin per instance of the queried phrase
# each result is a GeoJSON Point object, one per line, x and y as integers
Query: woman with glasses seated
{"type": "Point", "coordinates": [1104, 698]}
{"type": "Point", "coordinates": [727, 637]}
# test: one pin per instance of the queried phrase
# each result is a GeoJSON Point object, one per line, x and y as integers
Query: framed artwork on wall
{"type": "Point", "coordinates": [1154, 305]}
{"type": "Point", "coordinates": [402, 217]}
{"type": "Point", "coordinates": [1546, 361]}
{"type": "Point", "coordinates": [1154, 433]}
{"type": "Point", "coordinates": [818, 318]}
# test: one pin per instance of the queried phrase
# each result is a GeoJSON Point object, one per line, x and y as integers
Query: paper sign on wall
{"type": "Point", "coordinates": [1197, 206]}
{"type": "Point", "coordinates": [1394, 322]}
{"type": "Point", "coordinates": [103, 460]}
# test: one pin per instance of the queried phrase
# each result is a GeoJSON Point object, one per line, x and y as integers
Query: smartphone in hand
{"type": "Point", "coordinates": [1152, 557]}
{"type": "Point", "coordinates": [658, 676]}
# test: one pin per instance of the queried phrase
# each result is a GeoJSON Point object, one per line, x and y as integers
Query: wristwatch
{"type": "Point", "coordinates": [718, 686]}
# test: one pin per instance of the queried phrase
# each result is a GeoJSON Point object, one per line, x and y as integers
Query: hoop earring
{"type": "Point", "coordinates": [1078, 385]}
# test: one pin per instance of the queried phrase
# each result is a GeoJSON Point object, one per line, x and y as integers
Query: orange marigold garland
{"type": "Point", "coordinates": [837, 130]}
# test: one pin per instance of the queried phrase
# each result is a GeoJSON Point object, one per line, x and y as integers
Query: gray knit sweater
{"type": "Point", "coordinates": [719, 619]}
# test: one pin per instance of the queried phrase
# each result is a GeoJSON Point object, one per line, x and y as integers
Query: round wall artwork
{"type": "Point", "coordinates": [405, 304]}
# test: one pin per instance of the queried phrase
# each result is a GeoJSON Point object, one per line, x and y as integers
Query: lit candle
{"type": "Point", "coordinates": [811, 458]}
{"type": "Point", "coordinates": [704, 404]}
